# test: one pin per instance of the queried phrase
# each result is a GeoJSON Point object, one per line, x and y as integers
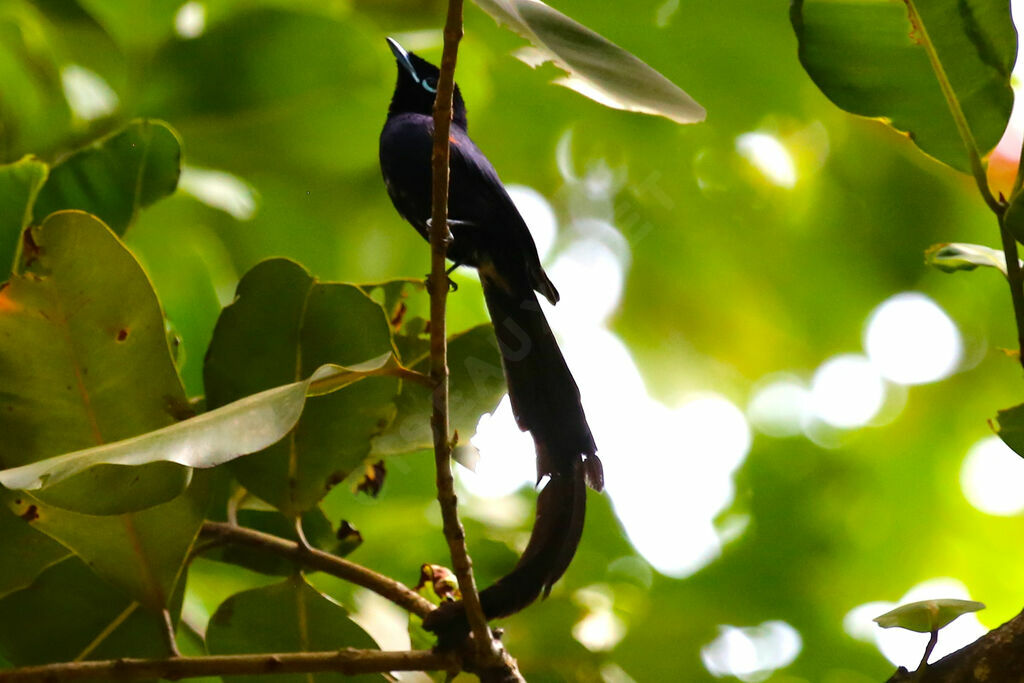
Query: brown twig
{"type": "Point", "coordinates": [385, 586]}
{"type": "Point", "coordinates": [439, 240]}
{"type": "Point", "coordinates": [348, 661]}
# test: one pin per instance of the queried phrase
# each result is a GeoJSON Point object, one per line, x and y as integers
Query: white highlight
{"type": "Point", "coordinates": [538, 214]}
{"type": "Point", "coordinates": [779, 407]}
{"type": "Point", "coordinates": [847, 391]}
{"type": "Point", "coordinates": [903, 647]}
{"type": "Point", "coordinates": [992, 478]}
{"type": "Point", "coordinates": [507, 461]}
{"type": "Point", "coordinates": [88, 95]}
{"type": "Point", "coordinates": [190, 20]}
{"type": "Point", "coordinates": [911, 340]}
{"type": "Point", "coordinates": [219, 190]}
{"type": "Point", "coordinates": [752, 653]}
{"type": "Point", "coordinates": [769, 156]}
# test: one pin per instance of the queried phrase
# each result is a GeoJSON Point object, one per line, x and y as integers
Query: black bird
{"type": "Point", "coordinates": [489, 234]}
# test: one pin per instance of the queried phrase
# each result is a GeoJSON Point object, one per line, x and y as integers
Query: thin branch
{"type": "Point", "coordinates": [348, 662]}
{"type": "Point", "coordinates": [1016, 279]}
{"type": "Point", "coordinates": [385, 586]}
{"type": "Point", "coordinates": [439, 240]}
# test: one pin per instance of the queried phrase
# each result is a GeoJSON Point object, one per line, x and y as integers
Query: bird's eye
{"type": "Point", "coordinates": [430, 84]}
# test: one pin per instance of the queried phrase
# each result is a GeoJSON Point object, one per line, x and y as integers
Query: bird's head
{"type": "Point", "coordinates": [417, 86]}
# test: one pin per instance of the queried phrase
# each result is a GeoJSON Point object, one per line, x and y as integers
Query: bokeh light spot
{"type": "Point", "coordinates": [992, 477]}
{"type": "Point", "coordinates": [847, 391]}
{"type": "Point", "coordinates": [911, 340]}
{"type": "Point", "coordinates": [769, 156]}
{"type": "Point", "coordinates": [190, 20]}
{"type": "Point", "coordinates": [88, 95]}
{"type": "Point", "coordinates": [752, 653]}
{"type": "Point", "coordinates": [538, 214]}
{"type": "Point", "coordinates": [778, 406]}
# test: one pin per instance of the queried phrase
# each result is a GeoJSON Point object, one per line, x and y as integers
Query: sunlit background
{"type": "Point", "coordinates": [791, 410]}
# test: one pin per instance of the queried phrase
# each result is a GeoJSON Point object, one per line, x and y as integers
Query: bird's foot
{"type": "Point", "coordinates": [453, 286]}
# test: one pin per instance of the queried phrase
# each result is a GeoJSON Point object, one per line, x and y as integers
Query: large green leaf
{"type": "Point", "coordinates": [282, 326]}
{"type": "Point", "coordinates": [68, 613]}
{"type": "Point", "coordinates": [135, 24]}
{"type": "Point", "coordinates": [286, 617]}
{"type": "Point", "coordinates": [142, 552]}
{"type": "Point", "coordinates": [19, 184]}
{"type": "Point", "coordinates": [26, 553]}
{"type": "Point", "coordinates": [476, 386]}
{"type": "Point", "coordinates": [871, 59]}
{"type": "Point", "coordinates": [596, 67]}
{"type": "Point", "coordinates": [33, 108]}
{"type": "Point", "coordinates": [925, 616]}
{"type": "Point", "coordinates": [274, 89]}
{"type": "Point", "coordinates": [115, 176]}
{"type": "Point", "coordinates": [84, 361]}
{"type": "Point", "coordinates": [213, 438]}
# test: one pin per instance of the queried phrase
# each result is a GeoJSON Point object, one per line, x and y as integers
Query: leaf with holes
{"type": "Point", "coordinates": [285, 617]}
{"type": "Point", "coordinates": [84, 362]}
{"type": "Point", "coordinates": [886, 59]}
{"type": "Point", "coordinates": [282, 325]}
{"type": "Point", "coordinates": [19, 184]}
{"type": "Point", "coordinates": [115, 176]}
{"type": "Point", "coordinates": [595, 67]}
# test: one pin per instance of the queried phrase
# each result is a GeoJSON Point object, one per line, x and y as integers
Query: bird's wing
{"type": "Point", "coordinates": [478, 197]}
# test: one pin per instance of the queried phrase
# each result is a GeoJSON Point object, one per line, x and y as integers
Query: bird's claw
{"type": "Point", "coordinates": [453, 286]}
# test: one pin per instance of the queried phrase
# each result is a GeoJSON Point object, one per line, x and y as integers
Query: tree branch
{"type": "Point", "coordinates": [348, 662]}
{"type": "Point", "coordinates": [385, 586]}
{"type": "Point", "coordinates": [440, 237]}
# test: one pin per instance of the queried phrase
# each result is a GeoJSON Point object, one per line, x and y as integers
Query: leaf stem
{"type": "Point", "coordinates": [440, 237]}
{"type": "Point", "coordinates": [385, 586]}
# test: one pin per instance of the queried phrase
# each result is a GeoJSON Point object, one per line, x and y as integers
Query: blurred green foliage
{"type": "Point", "coordinates": [732, 278]}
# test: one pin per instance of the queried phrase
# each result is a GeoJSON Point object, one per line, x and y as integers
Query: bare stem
{"type": "Point", "coordinates": [1016, 279]}
{"type": "Point", "coordinates": [439, 240]}
{"type": "Point", "coordinates": [385, 586]}
{"type": "Point", "coordinates": [348, 662]}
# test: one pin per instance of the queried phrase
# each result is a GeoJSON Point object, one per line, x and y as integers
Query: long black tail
{"type": "Point", "coordinates": [546, 402]}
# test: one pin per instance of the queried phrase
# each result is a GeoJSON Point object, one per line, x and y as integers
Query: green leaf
{"type": "Point", "coordinates": [476, 382]}
{"type": "Point", "coordinates": [927, 615]}
{"type": "Point", "coordinates": [135, 24]}
{"type": "Point", "coordinates": [26, 553]}
{"type": "Point", "coordinates": [239, 428]}
{"type": "Point", "coordinates": [869, 59]}
{"type": "Point", "coordinates": [1011, 428]}
{"type": "Point", "coordinates": [282, 326]}
{"type": "Point", "coordinates": [115, 176]}
{"type": "Point", "coordinates": [19, 185]}
{"type": "Point", "coordinates": [286, 617]}
{"type": "Point", "coordinates": [84, 362]}
{"type": "Point", "coordinates": [142, 552]}
{"type": "Point", "coordinates": [68, 613]}
{"type": "Point", "coordinates": [955, 256]}
{"type": "Point", "coordinates": [595, 67]}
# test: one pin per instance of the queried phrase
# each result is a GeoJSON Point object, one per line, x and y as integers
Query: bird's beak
{"type": "Point", "coordinates": [402, 56]}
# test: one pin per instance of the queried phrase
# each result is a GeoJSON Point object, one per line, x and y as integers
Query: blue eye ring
{"type": "Point", "coordinates": [428, 87]}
